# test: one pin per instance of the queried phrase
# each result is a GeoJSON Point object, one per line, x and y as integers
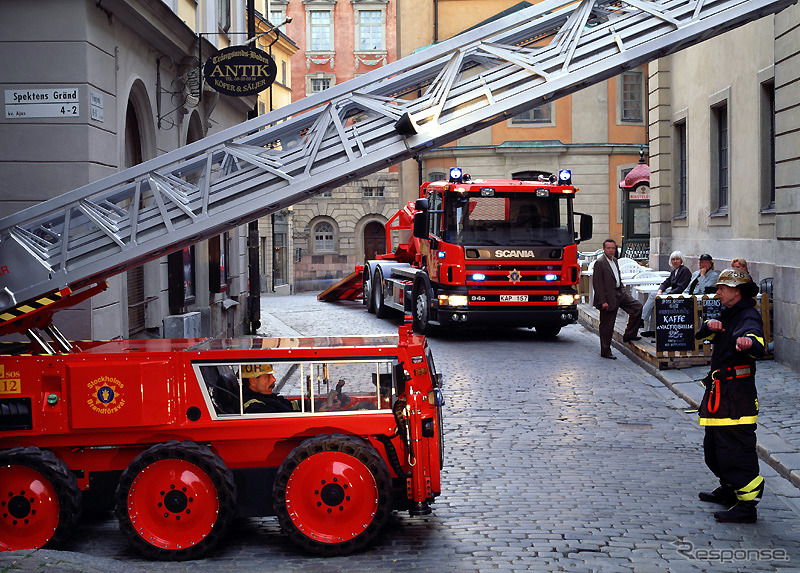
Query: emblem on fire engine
{"type": "Point", "coordinates": [105, 395]}
{"type": "Point", "coordinates": [514, 276]}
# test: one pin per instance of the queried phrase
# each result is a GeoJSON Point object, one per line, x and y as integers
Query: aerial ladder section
{"type": "Point", "coordinates": [54, 251]}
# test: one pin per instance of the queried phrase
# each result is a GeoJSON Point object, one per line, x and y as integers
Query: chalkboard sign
{"type": "Point", "coordinates": [675, 323]}
{"type": "Point", "coordinates": [712, 308]}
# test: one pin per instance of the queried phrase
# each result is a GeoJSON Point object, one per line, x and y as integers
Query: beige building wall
{"type": "Point", "coordinates": [737, 70]}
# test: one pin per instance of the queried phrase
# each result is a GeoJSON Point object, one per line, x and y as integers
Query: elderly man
{"type": "Point", "coordinates": [610, 295]}
{"type": "Point", "coordinates": [729, 407]}
{"type": "Point", "coordinates": [703, 279]}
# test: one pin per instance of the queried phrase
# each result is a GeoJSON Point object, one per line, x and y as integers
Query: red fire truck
{"type": "Point", "coordinates": [482, 252]}
{"type": "Point", "coordinates": [162, 432]}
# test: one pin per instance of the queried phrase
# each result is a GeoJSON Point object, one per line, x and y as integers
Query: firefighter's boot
{"type": "Point", "coordinates": [723, 495]}
{"type": "Point", "coordinates": [742, 512]}
{"type": "Point", "coordinates": [745, 509]}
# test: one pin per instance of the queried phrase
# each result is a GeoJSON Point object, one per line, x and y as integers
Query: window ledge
{"type": "Point", "coordinates": [381, 52]}
{"type": "Point", "coordinates": [719, 214]}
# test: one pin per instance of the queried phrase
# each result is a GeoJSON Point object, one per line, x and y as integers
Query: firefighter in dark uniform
{"type": "Point", "coordinates": [730, 403]}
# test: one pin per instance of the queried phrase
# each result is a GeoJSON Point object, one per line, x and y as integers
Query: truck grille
{"type": "Point", "coordinates": [514, 276]}
{"type": "Point", "coordinates": [15, 414]}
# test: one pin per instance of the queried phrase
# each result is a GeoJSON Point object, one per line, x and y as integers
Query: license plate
{"type": "Point", "coordinates": [513, 298]}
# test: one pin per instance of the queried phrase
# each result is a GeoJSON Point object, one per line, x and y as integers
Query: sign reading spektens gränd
{"type": "Point", "coordinates": [50, 102]}
{"type": "Point", "coordinates": [240, 71]}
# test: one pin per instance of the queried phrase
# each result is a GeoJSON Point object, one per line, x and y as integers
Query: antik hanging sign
{"type": "Point", "coordinates": [240, 71]}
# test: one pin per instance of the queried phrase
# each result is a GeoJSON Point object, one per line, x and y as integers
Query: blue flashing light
{"type": "Point", "coordinates": [565, 176]}
{"type": "Point", "coordinates": [479, 277]}
{"type": "Point", "coordinates": [550, 277]}
{"type": "Point", "coordinates": [440, 254]}
{"type": "Point", "coordinates": [456, 174]}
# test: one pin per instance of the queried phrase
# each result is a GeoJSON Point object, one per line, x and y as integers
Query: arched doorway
{"type": "Point", "coordinates": [374, 240]}
{"type": "Point", "coordinates": [135, 276]}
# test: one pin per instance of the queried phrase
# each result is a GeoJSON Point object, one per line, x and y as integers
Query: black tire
{"type": "Point", "coordinates": [157, 504]}
{"type": "Point", "coordinates": [366, 289]}
{"type": "Point", "coordinates": [381, 310]}
{"type": "Point", "coordinates": [332, 494]}
{"type": "Point", "coordinates": [421, 310]}
{"type": "Point", "coordinates": [548, 330]}
{"type": "Point", "coordinates": [41, 502]}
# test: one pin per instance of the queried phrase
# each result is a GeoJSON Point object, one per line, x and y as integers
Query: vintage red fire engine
{"type": "Point", "coordinates": [162, 432]}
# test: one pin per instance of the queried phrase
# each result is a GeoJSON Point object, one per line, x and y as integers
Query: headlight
{"type": "Point", "coordinates": [452, 300]}
{"type": "Point", "coordinates": [566, 299]}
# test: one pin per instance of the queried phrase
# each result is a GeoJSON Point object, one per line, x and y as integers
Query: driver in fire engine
{"type": "Point", "coordinates": [257, 395]}
{"type": "Point", "coordinates": [729, 406]}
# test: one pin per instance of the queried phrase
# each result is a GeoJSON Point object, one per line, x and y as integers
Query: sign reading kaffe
{"type": "Point", "coordinates": [240, 71]}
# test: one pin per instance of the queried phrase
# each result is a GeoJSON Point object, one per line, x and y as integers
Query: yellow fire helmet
{"type": "Point", "coordinates": [254, 370]}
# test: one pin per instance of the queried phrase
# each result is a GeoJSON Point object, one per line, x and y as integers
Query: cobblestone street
{"type": "Point", "coordinates": [555, 460]}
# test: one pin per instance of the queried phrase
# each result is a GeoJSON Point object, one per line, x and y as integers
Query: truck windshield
{"type": "Point", "coordinates": [509, 219]}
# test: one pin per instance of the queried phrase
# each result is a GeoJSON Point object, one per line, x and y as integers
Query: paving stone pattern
{"type": "Point", "coordinates": [556, 460]}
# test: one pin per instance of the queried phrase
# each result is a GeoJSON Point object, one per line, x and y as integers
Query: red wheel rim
{"type": "Point", "coordinates": [29, 508]}
{"type": "Point", "coordinates": [173, 504]}
{"type": "Point", "coordinates": [331, 497]}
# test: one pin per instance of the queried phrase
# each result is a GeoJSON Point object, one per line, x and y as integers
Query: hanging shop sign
{"type": "Point", "coordinates": [240, 71]}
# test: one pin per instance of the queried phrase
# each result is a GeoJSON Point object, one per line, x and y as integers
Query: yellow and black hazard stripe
{"type": "Point", "coordinates": [31, 306]}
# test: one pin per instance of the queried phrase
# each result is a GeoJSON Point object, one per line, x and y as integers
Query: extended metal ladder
{"type": "Point", "coordinates": [443, 92]}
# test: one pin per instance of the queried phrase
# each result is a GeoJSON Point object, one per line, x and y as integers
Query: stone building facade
{"type": "Point", "coordinates": [133, 67]}
{"type": "Point", "coordinates": [725, 159]}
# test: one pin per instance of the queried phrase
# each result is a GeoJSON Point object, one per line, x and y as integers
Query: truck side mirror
{"type": "Point", "coordinates": [585, 227]}
{"type": "Point", "coordinates": [421, 225]}
{"type": "Point", "coordinates": [421, 219]}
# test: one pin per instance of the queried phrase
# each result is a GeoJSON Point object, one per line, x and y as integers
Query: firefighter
{"type": "Point", "coordinates": [257, 394]}
{"type": "Point", "coordinates": [729, 406]}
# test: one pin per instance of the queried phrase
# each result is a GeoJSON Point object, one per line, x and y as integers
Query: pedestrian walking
{"type": "Point", "coordinates": [610, 295]}
{"type": "Point", "coordinates": [729, 407]}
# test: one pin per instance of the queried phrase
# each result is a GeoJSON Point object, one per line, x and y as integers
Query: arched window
{"type": "Point", "coordinates": [323, 237]}
{"type": "Point", "coordinates": [437, 176]}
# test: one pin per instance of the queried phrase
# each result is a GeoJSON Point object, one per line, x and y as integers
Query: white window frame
{"type": "Point", "coordinates": [318, 76]}
{"type": "Point", "coordinates": [224, 15]}
{"type": "Point", "coordinates": [325, 244]}
{"type": "Point", "coordinates": [369, 6]}
{"type": "Point", "coordinates": [328, 7]}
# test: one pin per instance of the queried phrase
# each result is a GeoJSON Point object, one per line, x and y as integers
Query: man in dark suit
{"type": "Point", "coordinates": [610, 295]}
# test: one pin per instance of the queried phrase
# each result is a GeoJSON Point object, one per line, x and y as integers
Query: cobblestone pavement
{"type": "Point", "coordinates": [556, 459]}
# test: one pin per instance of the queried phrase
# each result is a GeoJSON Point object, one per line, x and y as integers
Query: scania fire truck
{"type": "Point", "coordinates": [483, 252]}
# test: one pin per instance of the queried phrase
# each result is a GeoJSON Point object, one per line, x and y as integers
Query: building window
{"type": "Point", "coordinates": [369, 31]}
{"type": "Point", "coordinates": [320, 31]}
{"type": "Point", "coordinates": [720, 158]}
{"type": "Point", "coordinates": [224, 15]}
{"type": "Point", "coordinates": [280, 248]}
{"type": "Point", "coordinates": [323, 237]}
{"type": "Point", "coordinates": [283, 73]}
{"type": "Point", "coordinates": [375, 191]}
{"type": "Point", "coordinates": [539, 114]}
{"type": "Point", "coordinates": [632, 97]}
{"type": "Point", "coordinates": [181, 277]}
{"type": "Point", "coordinates": [218, 263]}
{"type": "Point", "coordinates": [680, 141]}
{"type": "Point", "coordinates": [319, 84]}
{"type": "Point", "coordinates": [327, 194]}
{"type": "Point", "coordinates": [768, 146]}
{"type": "Point", "coordinates": [437, 176]}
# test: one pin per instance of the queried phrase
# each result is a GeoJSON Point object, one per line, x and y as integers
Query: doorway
{"type": "Point", "coordinates": [374, 240]}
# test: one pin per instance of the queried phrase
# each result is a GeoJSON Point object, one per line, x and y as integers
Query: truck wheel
{"type": "Point", "coordinates": [548, 330]}
{"type": "Point", "coordinates": [366, 289]}
{"type": "Point", "coordinates": [420, 318]}
{"type": "Point", "coordinates": [175, 501]}
{"type": "Point", "coordinates": [381, 310]}
{"type": "Point", "coordinates": [39, 499]}
{"type": "Point", "coordinates": [332, 494]}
